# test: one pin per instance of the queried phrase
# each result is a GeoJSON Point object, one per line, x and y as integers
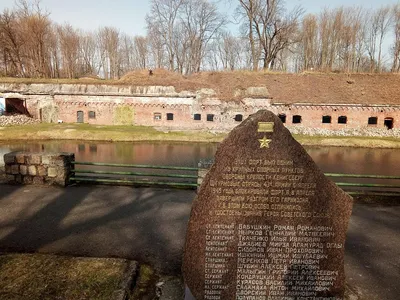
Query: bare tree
{"type": "Point", "coordinates": [108, 39]}
{"type": "Point", "coordinates": [90, 54]}
{"type": "Point", "coordinates": [187, 36]}
{"type": "Point", "coordinates": [162, 21]}
{"type": "Point", "coordinates": [228, 51]}
{"type": "Point", "coordinates": [275, 28]}
{"type": "Point", "coordinates": [396, 46]}
{"type": "Point", "coordinates": [12, 43]}
{"type": "Point", "coordinates": [247, 10]}
{"type": "Point", "coordinates": [378, 27]}
{"type": "Point", "coordinates": [333, 41]}
{"type": "Point", "coordinates": [69, 50]}
{"type": "Point", "coordinates": [35, 27]}
{"type": "Point", "coordinates": [157, 48]}
{"type": "Point", "coordinates": [141, 51]}
{"type": "Point", "coordinates": [309, 36]}
{"type": "Point", "coordinates": [201, 21]}
{"type": "Point", "coordinates": [384, 20]}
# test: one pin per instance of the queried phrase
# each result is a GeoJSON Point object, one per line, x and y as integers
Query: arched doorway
{"type": "Point", "coordinates": [282, 117]}
{"type": "Point", "coordinates": [388, 123]}
{"type": "Point", "coordinates": [79, 117]}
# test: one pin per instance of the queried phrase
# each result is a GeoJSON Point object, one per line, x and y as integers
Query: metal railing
{"type": "Point", "coordinates": [186, 177]}
{"type": "Point", "coordinates": [171, 176]}
{"type": "Point", "coordinates": [376, 188]}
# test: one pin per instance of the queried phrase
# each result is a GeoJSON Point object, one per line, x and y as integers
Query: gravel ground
{"type": "Point", "coordinates": [366, 132]}
{"type": "Point", "coordinates": [17, 120]}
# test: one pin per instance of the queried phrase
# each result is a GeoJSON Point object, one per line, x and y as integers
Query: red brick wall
{"type": "Point", "coordinates": [143, 109]}
{"type": "Point", "coordinates": [356, 116]}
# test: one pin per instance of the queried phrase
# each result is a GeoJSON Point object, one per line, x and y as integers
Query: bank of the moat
{"type": "Point", "coordinates": [358, 137]}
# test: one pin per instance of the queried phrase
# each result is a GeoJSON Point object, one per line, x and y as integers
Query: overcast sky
{"type": "Point", "coordinates": [128, 15]}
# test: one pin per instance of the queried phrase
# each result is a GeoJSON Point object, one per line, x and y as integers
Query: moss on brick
{"type": "Point", "coordinates": [123, 115]}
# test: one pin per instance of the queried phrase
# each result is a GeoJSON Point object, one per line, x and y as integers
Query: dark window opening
{"type": "Point", "coordinates": [372, 120]}
{"type": "Point", "coordinates": [388, 123]}
{"type": "Point", "coordinates": [326, 119]}
{"type": "Point", "coordinates": [239, 118]}
{"type": "Point", "coordinates": [14, 106]}
{"type": "Point", "coordinates": [282, 117]}
{"type": "Point", "coordinates": [342, 120]}
{"type": "Point", "coordinates": [92, 115]}
{"type": "Point", "coordinates": [296, 119]}
{"type": "Point", "coordinates": [81, 147]}
{"type": "Point", "coordinates": [210, 117]}
{"type": "Point", "coordinates": [157, 116]}
{"type": "Point", "coordinates": [197, 117]}
{"type": "Point", "coordinates": [170, 116]}
{"type": "Point", "coordinates": [93, 148]}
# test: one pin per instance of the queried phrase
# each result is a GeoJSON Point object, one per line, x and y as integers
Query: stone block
{"type": "Point", "coordinates": [41, 170]}
{"type": "Point", "coordinates": [60, 181]}
{"type": "Point", "coordinates": [205, 164]}
{"type": "Point", "coordinates": [37, 180]}
{"type": "Point", "coordinates": [45, 160]}
{"type": "Point", "coordinates": [15, 169]}
{"type": "Point", "coordinates": [27, 179]}
{"type": "Point", "coordinates": [52, 172]}
{"type": "Point", "coordinates": [20, 158]}
{"type": "Point", "coordinates": [56, 161]}
{"type": "Point", "coordinates": [18, 178]}
{"type": "Point", "coordinates": [32, 170]}
{"type": "Point", "coordinates": [257, 92]}
{"type": "Point", "coordinates": [23, 169]}
{"type": "Point", "coordinates": [10, 178]}
{"type": "Point", "coordinates": [202, 173]}
{"type": "Point", "coordinates": [34, 159]}
{"type": "Point", "coordinates": [9, 158]}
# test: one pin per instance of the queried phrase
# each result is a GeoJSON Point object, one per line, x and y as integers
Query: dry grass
{"type": "Point", "coordinates": [145, 284]}
{"type": "Point", "coordinates": [307, 87]}
{"type": "Point", "coordinates": [41, 277]}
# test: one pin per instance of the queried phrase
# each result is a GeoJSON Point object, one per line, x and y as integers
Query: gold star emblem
{"type": "Point", "coordinates": [264, 142]}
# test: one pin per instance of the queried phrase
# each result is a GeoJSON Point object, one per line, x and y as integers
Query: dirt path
{"type": "Point", "coordinates": [149, 224]}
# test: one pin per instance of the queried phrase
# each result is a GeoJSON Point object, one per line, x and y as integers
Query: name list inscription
{"type": "Point", "coordinates": [277, 261]}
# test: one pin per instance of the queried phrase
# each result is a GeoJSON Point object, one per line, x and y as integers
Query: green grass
{"type": "Point", "coordinates": [41, 277]}
{"type": "Point", "coordinates": [348, 141]}
{"type": "Point", "coordinates": [120, 133]}
{"type": "Point", "coordinates": [130, 133]}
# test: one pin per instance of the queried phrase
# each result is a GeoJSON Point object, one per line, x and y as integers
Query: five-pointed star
{"type": "Point", "coordinates": [264, 142]}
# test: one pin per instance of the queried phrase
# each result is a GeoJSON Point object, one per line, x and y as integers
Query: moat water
{"type": "Point", "coordinates": [329, 159]}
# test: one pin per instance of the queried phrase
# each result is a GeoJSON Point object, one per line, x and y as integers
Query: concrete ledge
{"type": "Point", "coordinates": [130, 274]}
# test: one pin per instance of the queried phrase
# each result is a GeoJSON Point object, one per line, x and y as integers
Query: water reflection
{"type": "Point", "coordinates": [329, 159]}
{"type": "Point", "coordinates": [356, 160]}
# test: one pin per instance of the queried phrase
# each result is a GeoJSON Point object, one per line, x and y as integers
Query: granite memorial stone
{"type": "Point", "coordinates": [266, 224]}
